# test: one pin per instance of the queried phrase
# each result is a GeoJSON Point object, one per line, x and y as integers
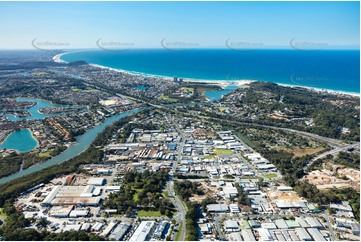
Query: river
{"type": "Point", "coordinates": [82, 142]}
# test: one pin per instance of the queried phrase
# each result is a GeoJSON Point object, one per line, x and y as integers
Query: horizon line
{"type": "Point", "coordinates": [198, 48]}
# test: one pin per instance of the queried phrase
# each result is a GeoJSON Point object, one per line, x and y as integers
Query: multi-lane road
{"type": "Point", "coordinates": [181, 216]}
{"type": "Point", "coordinates": [332, 152]}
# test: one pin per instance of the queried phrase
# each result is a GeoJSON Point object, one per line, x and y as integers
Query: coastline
{"type": "Point", "coordinates": [322, 90]}
{"type": "Point", "coordinates": [222, 83]}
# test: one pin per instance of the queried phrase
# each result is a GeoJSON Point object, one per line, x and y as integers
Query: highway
{"type": "Point", "coordinates": [330, 141]}
{"type": "Point", "coordinates": [332, 152]}
{"type": "Point", "coordinates": [181, 216]}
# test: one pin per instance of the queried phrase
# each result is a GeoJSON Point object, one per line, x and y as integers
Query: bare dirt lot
{"type": "Point", "coordinates": [275, 196]}
{"type": "Point", "coordinates": [208, 190]}
{"type": "Point", "coordinates": [334, 176]}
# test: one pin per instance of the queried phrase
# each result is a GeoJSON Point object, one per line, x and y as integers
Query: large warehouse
{"type": "Point", "coordinates": [72, 195]}
{"type": "Point", "coordinates": [143, 231]}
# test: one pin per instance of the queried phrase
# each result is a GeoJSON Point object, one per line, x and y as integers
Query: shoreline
{"type": "Point", "coordinates": [322, 90]}
{"type": "Point", "coordinates": [222, 83]}
{"type": "Point", "coordinates": [32, 135]}
{"type": "Point", "coordinates": [37, 141]}
{"type": "Point", "coordinates": [5, 137]}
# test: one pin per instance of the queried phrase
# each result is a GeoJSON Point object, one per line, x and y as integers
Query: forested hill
{"type": "Point", "coordinates": [327, 114]}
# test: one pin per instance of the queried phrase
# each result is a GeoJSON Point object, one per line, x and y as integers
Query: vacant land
{"type": "Point", "coordinates": [143, 213]}
{"type": "Point", "coordinates": [280, 196]}
{"type": "Point", "coordinates": [169, 99]}
{"type": "Point", "coordinates": [301, 151]}
{"type": "Point", "coordinates": [208, 191]}
{"type": "Point", "coordinates": [209, 157]}
{"type": "Point", "coordinates": [187, 88]}
{"type": "Point", "coordinates": [136, 195]}
{"type": "Point", "coordinates": [305, 151]}
{"type": "Point", "coordinates": [271, 175]}
{"type": "Point", "coordinates": [2, 214]}
{"type": "Point", "coordinates": [222, 152]}
{"type": "Point", "coordinates": [334, 176]}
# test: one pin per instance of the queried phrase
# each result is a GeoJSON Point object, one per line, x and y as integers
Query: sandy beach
{"type": "Point", "coordinates": [57, 59]}
{"type": "Point", "coordinates": [222, 83]}
{"type": "Point", "coordinates": [320, 90]}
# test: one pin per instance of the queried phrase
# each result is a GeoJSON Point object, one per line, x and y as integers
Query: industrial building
{"type": "Point", "coordinates": [313, 222]}
{"type": "Point", "coordinates": [60, 211]}
{"type": "Point", "coordinates": [247, 235]}
{"type": "Point", "coordinates": [235, 236]}
{"type": "Point", "coordinates": [107, 229]}
{"type": "Point", "coordinates": [217, 208]}
{"type": "Point", "coordinates": [97, 181]}
{"type": "Point", "coordinates": [316, 235]}
{"type": "Point", "coordinates": [281, 224]}
{"type": "Point", "coordinates": [231, 226]}
{"type": "Point", "coordinates": [143, 231]}
{"type": "Point", "coordinates": [72, 195]}
{"type": "Point", "coordinates": [78, 213]}
{"type": "Point", "coordinates": [161, 229]}
{"type": "Point", "coordinates": [234, 208]}
{"type": "Point", "coordinates": [120, 231]}
{"type": "Point", "coordinates": [303, 234]}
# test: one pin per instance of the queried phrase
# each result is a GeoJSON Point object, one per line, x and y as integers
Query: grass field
{"type": "Point", "coordinates": [210, 157]}
{"type": "Point", "coordinates": [39, 73]}
{"type": "Point", "coordinates": [83, 90]}
{"type": "Point", "coordinates": [223, 152]}
{"type": "Point", "coordinates": [90, 90]}
{"type": "Point", "coordinates": [271, 175]}
{"type": "Point", "coordinates": [44, 155]}
{"type": "Point", "coordinates": [187, 88]}
{"type": "Point", "coordinates": [301, 151]}
{"type": "Point", "coordinates": [2, 214]}
{"type": "Point", "coordinates": [169, 99]}
{"type": "Point", "coordinates": [307, 151]}
{"type": "Point", "coordinates": [143, 213]}
{"type": "Point", "coordinates": [177, 238]}
{"type": "Point", "coordinates": [136, 195]}
{"type": "Point", "coordinates": [165, 194]}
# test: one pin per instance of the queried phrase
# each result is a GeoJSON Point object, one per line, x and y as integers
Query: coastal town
{"type": "Point", "coordinates": [124, 156]}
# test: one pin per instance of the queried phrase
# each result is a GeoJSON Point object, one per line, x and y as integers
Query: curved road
{"type": "Point", "coordinates": [332, 152]}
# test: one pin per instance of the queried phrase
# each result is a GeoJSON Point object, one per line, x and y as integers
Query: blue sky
{"type": "Point", "coordinates": [209, 24]}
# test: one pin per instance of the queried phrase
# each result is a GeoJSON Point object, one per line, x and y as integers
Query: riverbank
{"type": "Point", "coordinates": [82, 143]}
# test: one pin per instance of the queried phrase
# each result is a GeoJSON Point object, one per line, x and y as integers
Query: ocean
{"type": "Point", "coordinates": [337, 70]}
